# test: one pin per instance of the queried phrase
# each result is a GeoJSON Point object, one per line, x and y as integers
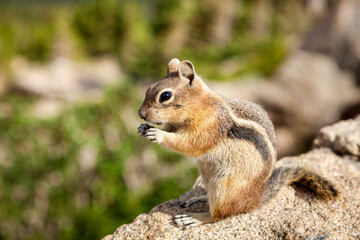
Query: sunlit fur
{"type": "Point", "coordinates": [199, 123]}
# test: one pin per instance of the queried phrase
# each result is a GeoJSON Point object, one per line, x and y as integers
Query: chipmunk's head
{"type": "Point", "coordinates": [172, 99]}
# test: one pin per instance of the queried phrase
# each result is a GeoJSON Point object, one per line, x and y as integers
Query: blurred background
{"type": "Point", "coordinates": [73, 75]}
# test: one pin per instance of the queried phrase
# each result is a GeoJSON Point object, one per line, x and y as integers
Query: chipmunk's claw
{"type": "Point", "coordinates": [186, 221]}
{"type": "Point", "coordinates": [149, 132]}
{"type": "Point", "coordinates": [142, 129]}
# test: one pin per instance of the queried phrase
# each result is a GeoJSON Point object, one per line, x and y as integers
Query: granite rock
{"type": "Point", "coordinates": [342, 137]}
{"type": "Point", "coordinates": [291, 214]}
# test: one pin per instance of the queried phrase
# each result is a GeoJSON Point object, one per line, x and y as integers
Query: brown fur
{"type": "Point", "coordinates": [238, 199]}
{"type": "Point", "coordinates": [241, 186]}
{"type": "Point", "coordinates": [241, 109]}
{"type": "Point", "coordinates": [233, 141]}
{"type": "Point", "coordinates": [321, 187]}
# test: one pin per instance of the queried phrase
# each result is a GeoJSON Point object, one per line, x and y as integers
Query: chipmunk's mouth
{"type": "Point", "coordinates": [154, 122]}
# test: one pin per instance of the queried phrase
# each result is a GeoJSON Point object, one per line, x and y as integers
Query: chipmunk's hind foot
{"type": "Point", "coordinates": [189, 220]}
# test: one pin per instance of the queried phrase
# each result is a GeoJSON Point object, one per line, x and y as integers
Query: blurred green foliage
{"type": "Point", "coordinates": [139, 32]}
{"type": "Point", "coordinates": [27, 31]}
{"type": "Point", "coordinates": [60, 178]}
{"type": "Point", "coordinates": [143, 35]}
{"type": "Point", "coordinates": [50, 194]}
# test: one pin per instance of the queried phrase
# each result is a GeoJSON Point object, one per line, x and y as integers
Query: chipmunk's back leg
{"type": "Point", "coordinates": [232, 196]}
{"type": "Point", "coordinates": [228, 197]}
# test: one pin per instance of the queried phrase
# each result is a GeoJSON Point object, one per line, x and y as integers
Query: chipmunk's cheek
{"type": "Point", "coordinates": [156, 117]}
{"type": "Point", "coordinates": [150, 116]}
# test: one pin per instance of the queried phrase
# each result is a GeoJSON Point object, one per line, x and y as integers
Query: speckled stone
{"type": "Point", "coordinates": [342, 137]}
{"type": "Point", "coordinates": [291, 214]}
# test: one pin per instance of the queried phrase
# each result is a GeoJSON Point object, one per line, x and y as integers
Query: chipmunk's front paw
{"type": "Point", "coordinates": [142, 129]}
{"type": "Point", "coordinates": [151, 133]}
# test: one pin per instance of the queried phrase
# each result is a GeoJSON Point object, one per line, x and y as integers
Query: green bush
{"type": "Point", "coordinates": [26, 30]}
{"type": "Point", "coordinates": [145, 35]}
{"type": "Point", "coordinates": [101, 25]}
{"type": "Point", "coordinates": [117, 28]}
{"type": "Point", "coordinates": [138, 34]}
{"type": "Point", "coordinates": [48, 192]}
{"type": "Point", "coordinates": [47, 189]}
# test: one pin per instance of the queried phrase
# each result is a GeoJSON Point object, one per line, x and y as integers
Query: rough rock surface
{"type": "Point", "coordinates": [342, 137]}
{"type": "Point", "coordinates": [292, 214]}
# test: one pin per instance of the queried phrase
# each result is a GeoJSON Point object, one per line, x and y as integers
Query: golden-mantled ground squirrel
{"type": "Point", "coordinates": [233, 141]}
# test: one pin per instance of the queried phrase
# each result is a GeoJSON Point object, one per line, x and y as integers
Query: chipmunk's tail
{"type": "Point", "coordinates": [299, 176]}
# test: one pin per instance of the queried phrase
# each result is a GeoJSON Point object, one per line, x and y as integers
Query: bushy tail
{"type": "Point", "coordinates": [299, 176]}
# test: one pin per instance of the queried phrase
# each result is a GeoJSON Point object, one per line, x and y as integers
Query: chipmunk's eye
{"type": "Point", "coordinates": [165, 96]}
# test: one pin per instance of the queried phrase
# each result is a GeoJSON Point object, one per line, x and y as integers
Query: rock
{"type": "Point", "coordinates": [342, 137]}
{"type": "Point", "coordinates": [291, 214]}
{"type": "Point", "coordinates": [308, 92]}
{"type": "Point", "coordinates": [64, 79]}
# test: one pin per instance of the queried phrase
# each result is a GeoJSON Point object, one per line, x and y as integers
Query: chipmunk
{"type": "Point", "coordinates": [233, 141]}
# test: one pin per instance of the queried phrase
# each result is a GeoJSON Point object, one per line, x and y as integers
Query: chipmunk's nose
{"type": "Point", "coordinates": [142, 113]}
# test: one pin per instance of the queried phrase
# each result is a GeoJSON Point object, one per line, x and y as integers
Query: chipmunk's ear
{"type": "Point", "coordinates": [186, 71]}
{"type": "Point", "coordinates": [173, 65]}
